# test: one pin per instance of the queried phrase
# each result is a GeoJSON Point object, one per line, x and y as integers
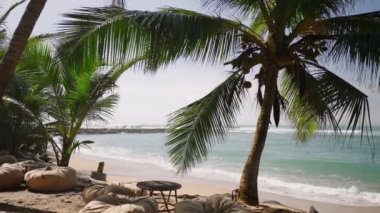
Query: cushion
{"type": "Point", "coordinates": [119, 203]}
{"type": "Point", "coordinates": [212, 204]}
{"type": "Point", "coordinates": [11, 176]}
{"type": "Point", "coordinates": [93, 191]}
{"type": "Point", "coordinates": [51, 179]}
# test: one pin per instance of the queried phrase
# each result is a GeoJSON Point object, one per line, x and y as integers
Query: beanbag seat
{"type": "Point", "coordinates": [22, 164]}
{"type": "Point", "coordinates": [95, 190]}
{"type": "Point", "coordinates": [95, 207]}
{"type": "Point", "coordinates": [7, 159]}
{"type": "Point", "coordinates": [11, 176]}
{"type": "Point", "coordinates": [127, 208]}
{"type": "Point", "coordinates": [119, 203]}
{"type": "Point", "coordinates": [51, 179]}
{"type": "Point", "coordinates": [190, 206]}
{"type": "Point", "coordinates": [212, 204]}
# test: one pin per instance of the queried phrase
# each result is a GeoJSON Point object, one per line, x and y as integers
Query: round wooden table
{"type": "Point", "coordinates": [161, 186]}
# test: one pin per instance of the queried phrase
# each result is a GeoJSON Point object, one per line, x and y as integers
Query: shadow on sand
{"type": "Point", "coordinates": [12, 208]}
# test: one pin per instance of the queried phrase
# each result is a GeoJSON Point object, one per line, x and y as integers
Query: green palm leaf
{"type": "Point", "coordinates": [240, 7]}
{"type": "Point", "coordinates": [195, 128]}
{"type": "Point", "coordinates": [3, 17]}
{"type": "Point", "coordinates": [328, 101]}
{"type": "Point", "coordinates": [161, 36]}
{"type": "Point", "coordinates": [306, 107]}
{"type": "Point", "coordinates": [108, 32]}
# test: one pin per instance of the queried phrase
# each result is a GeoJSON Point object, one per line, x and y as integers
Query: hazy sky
{"type": "Point", "coordinates": [148, 99]}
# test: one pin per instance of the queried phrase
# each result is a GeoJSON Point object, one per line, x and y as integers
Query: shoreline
{"type": "Point", "coordinates": [119, 170]}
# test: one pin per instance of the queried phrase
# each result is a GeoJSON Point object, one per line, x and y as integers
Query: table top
{"type": "Point", "coordinates": [158, 185]}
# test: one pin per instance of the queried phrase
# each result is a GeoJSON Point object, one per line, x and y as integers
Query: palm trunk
{"type": "Point", "coordinates": [65, 157]}
{"type": "Point", "coordinates": [19, 42]}
{"type": "Point", "coordinates": [65, 160]}
{"type": "Point", "coordinates": [248, 192]}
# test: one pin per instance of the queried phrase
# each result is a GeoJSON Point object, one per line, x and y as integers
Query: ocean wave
{"type": "Point", "coordinates": [340, 195]}
{"type": "Point", "coordinates": [121, 153]}
{"type": "Point", "coordinates": [292, 130]}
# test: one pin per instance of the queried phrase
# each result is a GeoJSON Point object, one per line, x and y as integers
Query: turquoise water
{"type": "Point", "coordinates": [326, 168]}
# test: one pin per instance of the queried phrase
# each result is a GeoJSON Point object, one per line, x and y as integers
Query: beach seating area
{"type": "Point", "coordinates": [34, 183]}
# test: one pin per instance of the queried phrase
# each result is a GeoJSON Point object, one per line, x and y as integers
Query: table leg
{"type": "Point", "coordinates": [166, 203]}
{"type": "Point", "coordinates": [176, 198]}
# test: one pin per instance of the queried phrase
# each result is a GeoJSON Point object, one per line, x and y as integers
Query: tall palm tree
{"type": "Point", "coordinates": [18, 42]}
{"type": "Point", "coordinates": [267, 41]}
{"type": "Point", "coordinates": [20, 128]}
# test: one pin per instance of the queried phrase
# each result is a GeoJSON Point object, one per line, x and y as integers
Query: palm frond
{"type": "Point", "coordinates": [309, 111]}
{"type": "Point", "coordinates": [3, 17]}
{"type": "Point", "coordinates": [194, 129]}
{"type": "Point", "coordinates": [6, 14]}
{"type": "Point", "coordinates": [239, 7]}
{"type": "Point", "coordinates": [102, 109]}
{"type": "Point", "coordinates": [354, 39]}
{"type": "Point", "coordinates": [328, 100]}
{"type": "Point", "coordinates": [162, 36]}
{"type": "Point", "coordinates": [119, 3]}
{"type": "Point", "coordinates": [105, 34]}
{"type": "Point", "coordinates": [357, 40]}
{"type": "Point", "coordinates": [349, 104]}
{"type": "Point", "coordinates": [322, 8]}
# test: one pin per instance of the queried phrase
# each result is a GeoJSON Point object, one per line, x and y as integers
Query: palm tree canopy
{"type": "Point", "coordinates": [293, 36]}
{"type": "Point", "coordinates": [64, 95]}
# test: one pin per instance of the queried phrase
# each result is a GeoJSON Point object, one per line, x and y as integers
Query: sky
{"type": "Point", "coordinates": [147, 99]}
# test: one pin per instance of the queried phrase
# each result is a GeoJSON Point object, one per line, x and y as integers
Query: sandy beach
{"type": "Point", "coordinates": [122, 171]}
{"type": "Point", "coordinates": [125, 171]}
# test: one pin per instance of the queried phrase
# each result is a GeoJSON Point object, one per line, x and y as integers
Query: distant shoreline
{"type": "Point", "coordinates": [93, 131]}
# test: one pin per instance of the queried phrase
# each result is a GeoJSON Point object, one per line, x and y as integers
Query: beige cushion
{"type": "Point", "coordinates": [190, 206]}
{"type": "Point", "coordinates": [11, 176]}
{"type": "Point", "coordinates": [51, 179]}
{"type": "Point", "coordinates": [132, 186]}
{"type": "Point", "coordinates": [212, 204]}
{"type": "Point", "coordinates": [126, 208]}
{"type": "Point", "coordinates": [95, 190]}
{"type": "Point", "coordinates": [7, 159]}
{"type": "Point", "coordinates": [95, 207]}
{"type": "Point", "coordinates": [136, 205]}
{"type": "Point", "coordinates": [119, 203]}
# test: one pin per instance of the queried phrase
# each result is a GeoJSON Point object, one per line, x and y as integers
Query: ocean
{"type": "Point", "coordinates": [326, 168]}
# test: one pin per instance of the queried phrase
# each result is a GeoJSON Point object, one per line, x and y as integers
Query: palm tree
{"type": "Point", "coordinates": [18, 42]}
{"type": "Point", "coordinates": [48, 99]}
{"type": "Point", "coordinates": [268, 41]}
{"type": "Point", "coordinates": [20, 129]}
{"type": "Point", "coordinates": [73, 94]}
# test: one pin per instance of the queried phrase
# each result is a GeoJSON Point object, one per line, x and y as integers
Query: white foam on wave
{"type": "Point", "coordinates": [341, 195]}
{"type": "Point", "coordinates": [121, 153]}
{"type": "Point", "coordinates": [285, 130]}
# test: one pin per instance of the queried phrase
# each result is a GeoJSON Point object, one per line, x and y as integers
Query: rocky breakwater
{"type": "Point", "coordinates": [90, 131]}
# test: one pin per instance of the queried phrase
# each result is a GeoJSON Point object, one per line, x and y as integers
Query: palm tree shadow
{"type": "Point", "coordinates": [12, 208]}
